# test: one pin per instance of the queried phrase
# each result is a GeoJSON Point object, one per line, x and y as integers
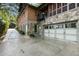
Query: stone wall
{"type": "Point", "coordinates": [70, 15]}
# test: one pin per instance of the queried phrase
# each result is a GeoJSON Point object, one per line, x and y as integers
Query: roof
{"type": "Point", "coordinates": [35, 4]}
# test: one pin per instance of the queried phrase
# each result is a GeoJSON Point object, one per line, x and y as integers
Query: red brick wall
{"type": "Point", "coordinates": [32, 14]}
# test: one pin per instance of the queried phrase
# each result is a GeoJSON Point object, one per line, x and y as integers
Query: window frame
{"type": "Point", "coordinates": [64, 7]}
{"type": "Point", "coordinates": [70, 25]}
{"type": "Point", "coordinates": [77, 4]}
{"type": "Point", "coordinates": [71, 7]}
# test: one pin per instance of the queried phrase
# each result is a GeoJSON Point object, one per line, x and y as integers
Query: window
{"type": "Point", "coordinates": [54, 6]}
{"type": "Point", "coordinates": [58, 5]}
{"type": "Point", "coordinates": [50, 14]}
{"type": "Point", "coordinates": [61, 26]}
{"type": "Point", "coordinates": [67, 25]}
{"type": "Point", "coordinates": [64, 8]}
{"type": "Point", "coordinates": [77, 4]}
{"type": "Point", "coordinates": [73, 25]}
{"type": "Point", "coordinates": [50, 9]}
{"type": "Point", "coordinates": [57, 26]}
{"type": "Point", "coordinates": [70, 25]}
{"type": "Point", "coordinates": [58, 10]}
{"type": "Point", "coordinates": [50, 27]}
{"type": "Point", "coordinates": [64, 4]}
{"type": "Point", "coordinates": [54, 12]}
{"type": "Point", "coordinates": [71, 6]}
{"type": "Point", "coordinates": [45, 27]}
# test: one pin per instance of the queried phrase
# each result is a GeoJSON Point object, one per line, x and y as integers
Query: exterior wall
{"type": "Point", "coordinates": [65, 16]}
{"type": "Point", "coordinates": [32, 14]}
{"type": "Point", "coordinates": [63, 33]}
{"type": "Point", "coordinates": [22, 20]}
{"type": "Point", "coordinates": [32, 18]}
{"type": "Point", "coordinates": [27, 19]}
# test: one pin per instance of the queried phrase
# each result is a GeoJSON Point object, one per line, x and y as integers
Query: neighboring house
{"type": "Point", "coordinates": [53, 20]}
{"type": "Point", "coordinates": [27, 17]}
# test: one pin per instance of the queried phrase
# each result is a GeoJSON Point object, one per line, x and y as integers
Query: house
{"type": "Point", "coordinates": [51, 20]}
{"type": "Point", "coordinates": [27, 18]}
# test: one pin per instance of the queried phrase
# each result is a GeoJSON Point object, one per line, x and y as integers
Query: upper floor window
{"type": "Point", "coordinates": [64, 7]}
{"type": "Point", "coordinates": [54, 12]}
{"type": "Point", "coordinates": [54, 6]}
{"type": "Point", "coordinates": [71, 6]}
{"type": "Point", "coordinates": [50, 9]}
{"type": "Point", "coordinates": [50, 13]}
{"type": "Point", "coordinates": [58, 5]}
{"type": "Point", "coordinates": [58, 8]}
{"type": "Point", "coordinates": [77, 4]}
{"type": "Point", "coordinates": [54, 9]}
{"type": "Point", "coordinates": [64, 4]}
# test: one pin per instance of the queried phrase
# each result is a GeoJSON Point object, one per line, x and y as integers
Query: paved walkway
{"type": "Point", "coordinates": [15, 44]}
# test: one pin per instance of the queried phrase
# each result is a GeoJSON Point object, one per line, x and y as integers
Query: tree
{"type": "Point", "coordinates": [8, 12]}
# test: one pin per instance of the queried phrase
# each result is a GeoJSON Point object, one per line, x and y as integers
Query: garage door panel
{"type": "Point", "coordinates": [46, 34]}
{"type": "Point", "coordinates": [60, 36]}
{"type": "Point", "coordinates": [46, 31]}
{"type": "Point", "coordinates": [71, 37]}
{"type": "Point", "coordinates": [70, 31]}
{"type": "Point", "coordinates": [60, 31]}
{"type": "Point", "coordinates": [52, 31]}
{"type": "Point", "coordinates": [52, 35]}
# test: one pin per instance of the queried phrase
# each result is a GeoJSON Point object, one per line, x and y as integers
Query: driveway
{"type": "Point", "coordinates": [15, 44]}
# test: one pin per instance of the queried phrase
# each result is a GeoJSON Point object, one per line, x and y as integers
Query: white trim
{"type": "Point", "coordinates": [56, 8]}
{"type": "Point", "coordinates": [76, 5]}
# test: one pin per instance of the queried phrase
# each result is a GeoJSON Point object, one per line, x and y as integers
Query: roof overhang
{"type": "Point", "coordinates": [35, 4]}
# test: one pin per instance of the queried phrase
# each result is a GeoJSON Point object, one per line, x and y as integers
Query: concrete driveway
{"type": "Point", "coordinates": [15, 44]}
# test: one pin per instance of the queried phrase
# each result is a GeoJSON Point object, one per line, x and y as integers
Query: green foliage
{"type": "Point", "coordinates": [5, 19]}
{"type": "Point", "coordinates": [7, 14]}
{"type": "Point", "coordinates": [2, 27]}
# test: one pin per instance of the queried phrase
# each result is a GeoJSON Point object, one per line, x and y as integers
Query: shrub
{"type": "Point", "coordinates": [2, 27]}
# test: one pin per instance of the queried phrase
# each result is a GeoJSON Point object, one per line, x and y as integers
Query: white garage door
{"type": "Point", "coordinates": [71, 34]}
{"type": "Point", "coordinates": [46, 32]}
{"type": "Point", "coordinates": [65, 31]}
{"type": "Point", "coordinates": [60, 33]}
{"type": "Point", "coordinates": [52, 33]}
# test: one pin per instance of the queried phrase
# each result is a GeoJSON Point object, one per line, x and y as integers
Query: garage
{"type": "Point", "coordinates": [62, 31]}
